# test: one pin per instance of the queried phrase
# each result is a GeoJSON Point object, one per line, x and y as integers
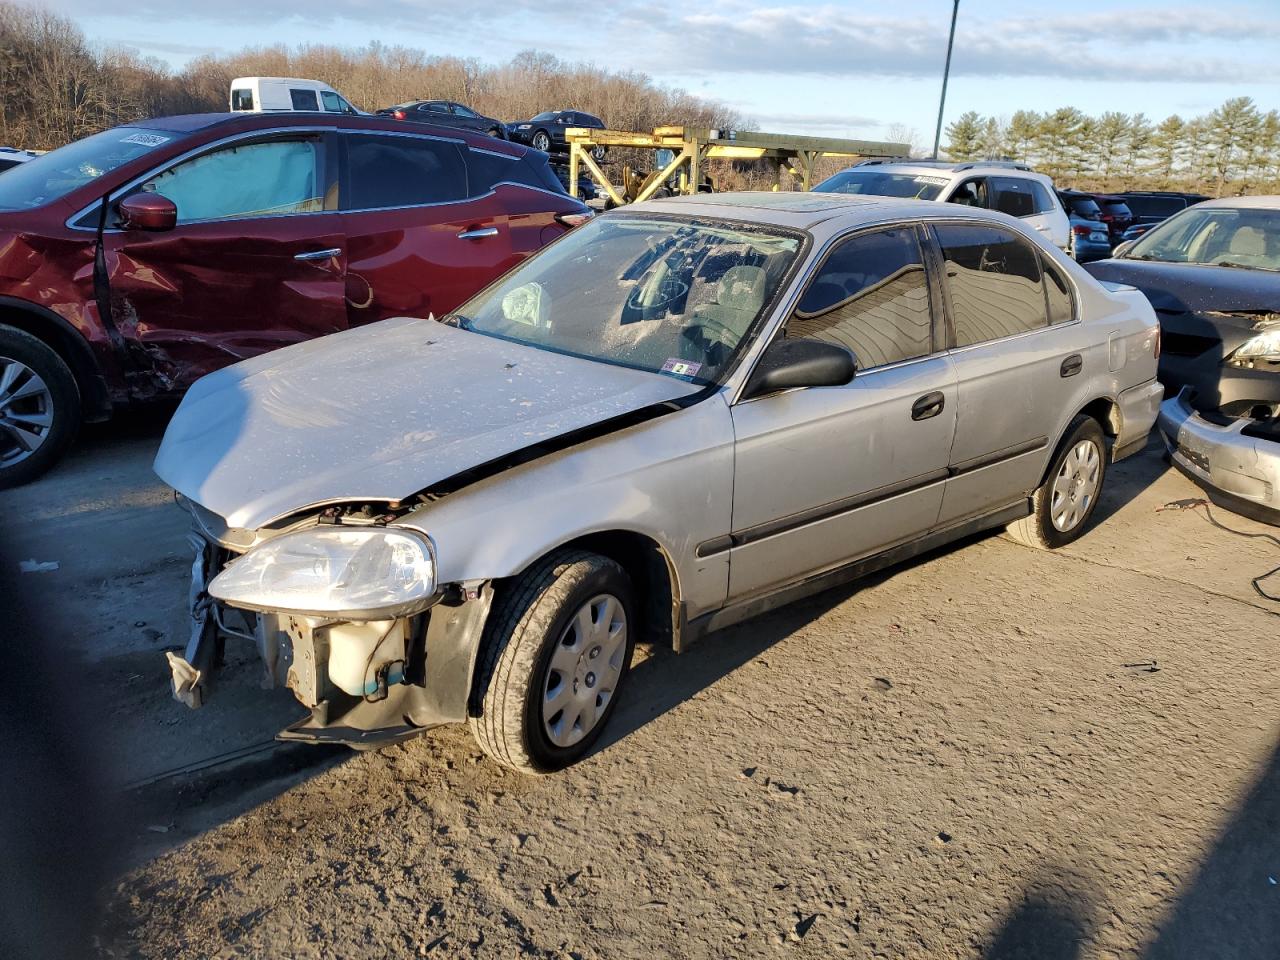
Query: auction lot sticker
{"type": "Point", "coordinates": [146, 139]}
{"type": "Point", "coordinates": [681, 368]}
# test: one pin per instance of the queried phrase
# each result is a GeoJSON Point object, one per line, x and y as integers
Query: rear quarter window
{"type": "Point", "coordinates": [487, 170]}
{"type": "Point", "coordinates": [242, 99]}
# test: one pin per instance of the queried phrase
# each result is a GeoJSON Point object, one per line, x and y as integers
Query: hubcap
{"type": "Point", "coordinates": [1075, 486]}
{"type": "Point", "coordinates": [26, 411]}
{"type": "Point", "coordinates": [584, 670]}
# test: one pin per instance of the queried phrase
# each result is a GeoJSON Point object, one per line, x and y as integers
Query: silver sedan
{"type": "Point", "coordinates": [680, 415]}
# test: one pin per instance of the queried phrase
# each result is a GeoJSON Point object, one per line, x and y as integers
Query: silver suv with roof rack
{"type": "Point", "coordinates": [1009, 186]}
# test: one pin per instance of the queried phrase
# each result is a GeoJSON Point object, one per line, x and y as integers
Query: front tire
{"type": "Point", "coordinates": [1062, 505]}
{"type": "Point", "coordinates": [541, 141]}
{"type": "Point", "coordinates": [39, 407]}
{"type": "Point", "coordinates": [557, 653]}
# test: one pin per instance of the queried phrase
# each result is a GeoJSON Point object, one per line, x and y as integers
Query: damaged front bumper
{"type": "Point", "coordinates": [417, 673]}
{"type": "Point", "coordinates": [1237, 468]}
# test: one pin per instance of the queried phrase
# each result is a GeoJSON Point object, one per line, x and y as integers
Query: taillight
{"type": "Point", "coordinates": [1157, 339]}
{"type": "Point", "coordinates": [1082, 229]}
{"type": "Point", "coordinates": [571, 220]}
{"type": "Point", "coordinates": [399, 114]}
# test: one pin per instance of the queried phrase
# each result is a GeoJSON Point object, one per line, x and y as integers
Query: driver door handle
{"type": "Point", "coordinates": [930, 405]}
{"type": "Point", "coordinates": [319, 254]}
{"type": "Point", "coordinates": [478, 233]}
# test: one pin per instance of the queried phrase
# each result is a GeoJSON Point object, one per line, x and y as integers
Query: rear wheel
{"type": "Point", "coordinates": [555, 659]}
{"type": "Point", "coordinates": [1062, 505]}
{"type": "Point", "coordinates": [598, 153]}
{"type": "Point", "coordinates": [39, 407]}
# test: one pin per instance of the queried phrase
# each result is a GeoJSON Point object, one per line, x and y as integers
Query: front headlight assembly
{"type": "Point", "coordinates": [347, 572]}
{"type": "Point", "coordinates": [1263, 345]}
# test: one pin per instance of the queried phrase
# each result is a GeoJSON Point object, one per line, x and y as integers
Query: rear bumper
{"type": "Point", "coordinates": [1240, 472]}
{"type": "Point", "coordinates": [1139, 407]}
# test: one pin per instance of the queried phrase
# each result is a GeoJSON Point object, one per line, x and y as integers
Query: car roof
{"type": "Point", "coordinates": [925, 168]}
{"type": "Point", "coordinates": [802, 211]}
{"type": "Point", "coordinates": [1250, 203]}
{"type": "Point", "coordinates": [248, 122]}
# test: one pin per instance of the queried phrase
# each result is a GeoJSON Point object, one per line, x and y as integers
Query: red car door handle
{"type": "Point", "coordinates": [319, 254]}
{"type": "Point", "coordinates": [478, 233]}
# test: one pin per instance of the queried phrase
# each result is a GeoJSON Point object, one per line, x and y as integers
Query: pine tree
{"type": "Point", "coordinates": [964, 137]}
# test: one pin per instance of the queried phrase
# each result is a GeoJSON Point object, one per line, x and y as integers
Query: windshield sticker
{"type": "Point", "coordinates": [936, 181]}
{"type": "Point", "coordinates": [146, 139]}
{"type": "Point", "coordinates": [681, 368]}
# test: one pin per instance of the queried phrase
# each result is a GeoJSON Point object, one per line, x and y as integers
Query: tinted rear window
{"type": "Point", "coordinates": [242, 99]}
{"type": "Point", "coordinates": [402, 172]}
{"type": "Point", "coordinates": [1084, 207]}
{"type": "Point", "coordinates": [1155, 206]}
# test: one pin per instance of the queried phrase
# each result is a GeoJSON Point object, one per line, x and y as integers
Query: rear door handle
{"type": "Point", "coordinates": [478, 233]}
{"type": "Point", "coordinates": [930, 405]}
{"type": "Point", "coordinates": [319, 254]}
{"type": "Point", "coordinates": [1071, 366]}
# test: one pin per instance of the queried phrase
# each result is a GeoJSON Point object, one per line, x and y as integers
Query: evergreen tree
{"type": "Point", "coordinates": [964, 137]}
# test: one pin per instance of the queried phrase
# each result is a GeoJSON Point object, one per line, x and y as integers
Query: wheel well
{"type": "Point", "coordinates": [68, 344]}
{"type": "Point", "coordinates": [650, 570]}
{"type": "Point", "coordinates": [1107, 412]}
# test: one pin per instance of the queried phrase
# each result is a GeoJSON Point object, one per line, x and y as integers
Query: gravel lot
{"type": "Point", "coordinates": [991, 752]}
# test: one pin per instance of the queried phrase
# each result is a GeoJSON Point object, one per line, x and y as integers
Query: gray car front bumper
{"type": "Point", "coordinates": [1240, 472]}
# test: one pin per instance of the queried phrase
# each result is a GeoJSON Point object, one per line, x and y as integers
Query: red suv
{"type": "Point", "coordinates": [136, 260]}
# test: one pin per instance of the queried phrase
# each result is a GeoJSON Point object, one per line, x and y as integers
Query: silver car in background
{"type": "Point", "coordinates": [680, 415]}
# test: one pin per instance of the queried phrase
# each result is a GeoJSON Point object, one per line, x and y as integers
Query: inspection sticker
{"type": "Point", "coordinates": [935, 181]}
{"type": "Point", "coordinates": [681, 368]}
{"type": "Point", "coordinates": [146, 139]}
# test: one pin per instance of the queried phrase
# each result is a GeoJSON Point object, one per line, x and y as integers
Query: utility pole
{"type": "Point", "coordinates": [946, 72]}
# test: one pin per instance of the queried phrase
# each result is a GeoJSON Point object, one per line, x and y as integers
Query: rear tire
{"type": "Point", "coordinates": [556, 655]}
{"type": "Point", "coordinates": [1062, 505]}
{"type": "Point", "coordinates": [39, 407]}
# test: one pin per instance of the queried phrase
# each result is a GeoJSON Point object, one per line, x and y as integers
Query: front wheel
{"type": "Point", "coordinates": [598, 153]}
{"type": "Point", "coordinates": [542, 141]}
{"type": "Point", "coordinates": [39, 407]}
{"type": "Point", "coordinates": [556, 656]}
{"type": "Point", "coordinates": [1062, 505]}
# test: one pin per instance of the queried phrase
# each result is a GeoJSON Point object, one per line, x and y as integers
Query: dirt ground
{"type": "Point", "coordinates": [992, 752]}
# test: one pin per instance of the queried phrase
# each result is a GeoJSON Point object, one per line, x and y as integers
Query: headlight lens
{"type": "Point", "coordinates": [370, 573]}
{"type": "Point", "coordinates": [524, 126]}
{"type": "Point", "coordinates": [1264, 345]}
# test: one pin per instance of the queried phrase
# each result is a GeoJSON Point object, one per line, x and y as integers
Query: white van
{"type": "Point", "coordinates": [273, 94]}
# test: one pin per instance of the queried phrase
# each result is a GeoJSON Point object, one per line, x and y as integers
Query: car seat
{"type": "Point", "coordinates": [1248, 246]}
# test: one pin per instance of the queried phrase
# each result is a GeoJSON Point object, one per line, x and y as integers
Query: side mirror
{"type": "Point", "coordinates": [148, 211]}
{"type": "Point", "coordinates": [1123, 248]}
{"type": "Point", "coordinates": [787, 364]}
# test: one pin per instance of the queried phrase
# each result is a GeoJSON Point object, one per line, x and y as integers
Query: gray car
{"type": "Point", "coordinates": [682, 414]}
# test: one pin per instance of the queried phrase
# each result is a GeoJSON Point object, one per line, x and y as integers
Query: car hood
{"type": "Point", "coordinates": [380, 413]}
{"type": "Point", "coordinates": [1191, 287]}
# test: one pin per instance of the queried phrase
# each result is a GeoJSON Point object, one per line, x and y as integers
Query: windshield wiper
{"type": "Point", "coordinates": [1243, 266]}
{"type": "Point", "coordinates": [456, 320]}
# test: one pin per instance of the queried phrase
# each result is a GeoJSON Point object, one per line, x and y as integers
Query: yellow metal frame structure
{"type": "Point", "coordinates": [693, 146]}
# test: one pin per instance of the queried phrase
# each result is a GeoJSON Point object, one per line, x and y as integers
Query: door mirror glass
{"type": "Point", "coordinates": [787, 364]}
{"type": "Point", "coordinates": [148, 211]}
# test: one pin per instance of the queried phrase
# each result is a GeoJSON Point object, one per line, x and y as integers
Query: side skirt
{"type": "Point", "coordinates": [695, 630]}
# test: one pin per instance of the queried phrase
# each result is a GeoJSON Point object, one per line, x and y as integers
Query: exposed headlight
{"type": "Point", "coordinates": [524, 126]}
{"type": "Point", "coordinates": [1263, 345]}
{"type": "Point", "coordinates": [361, 573]}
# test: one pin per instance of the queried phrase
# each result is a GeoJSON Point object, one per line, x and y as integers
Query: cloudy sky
{"type": "Point", "coordinates": [843, 68]}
